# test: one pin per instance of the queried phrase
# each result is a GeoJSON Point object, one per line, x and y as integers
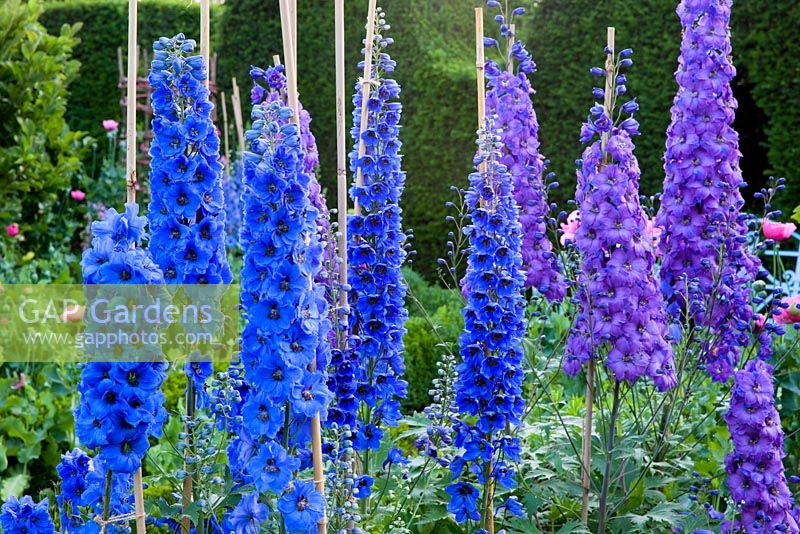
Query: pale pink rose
{"type": "Point", "coordinates": [12, 230]}
{"type": "Point", "coordinates": [571, 227]}
{"type": "Point", "coordinates": [77, 194]}
{"type": "Point", "coordinates": [110, 125]}
{"type": "Point", "coordinates": [777, 231]}
{"type": "Point", "coordinates": [791, 314]}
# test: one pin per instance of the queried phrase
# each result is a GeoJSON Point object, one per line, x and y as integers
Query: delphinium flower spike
{"type": "Point", "coordinates": [619, 302]}
{"type": "Point", "coordinates": [376, 253]}
{"type": "Point", "coordinates": [270, 86]}
{"type": "Point", "coordinates": [756, 477]}
{"type": "Point", "coordinates": [286, 316]}
{"type": "Point", "coordinates": [509, 100]}
{"type": "Point", "coordinates": [121, 403]}
{"type": "Point", "coordinates": [82, 493]}
{"type": "Point", "coordinates": [489, 385]}
{"type": "Point", "coordinates": [706, 269]}
{"type": "Point", "coordinates": [186, 213]}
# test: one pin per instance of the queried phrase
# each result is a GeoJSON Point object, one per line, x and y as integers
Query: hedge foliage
{"type": "Point", "coordinates": [567, 37]}
{"type": "Point", "coordinates": [96, 95]}
{"type": "Point", "coordinates": [434, 51]}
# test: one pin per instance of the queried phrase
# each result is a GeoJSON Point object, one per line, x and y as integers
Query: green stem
{"type": "Point", "coordinates": [107, 496]}
{"type": "Point", "coordinates": [609, 458]}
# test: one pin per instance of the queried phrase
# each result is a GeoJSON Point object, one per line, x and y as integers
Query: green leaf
{"type": "Point", "coordinates": [14, 485]}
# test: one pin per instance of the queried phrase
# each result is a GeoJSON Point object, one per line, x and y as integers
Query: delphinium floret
{"type": "Point", "coordinates": [620, 308]}
{"type": "Point", "coordinates": [376, 253]}
{"type": "Point", "coordinates": [285, 310]}
{"type": "Point", "coordinates": [24, 515]}
{"type": "Point", "coordinates": [706, 268]}
{"type": "Point", "coordinates": [509, 99]}
{"type": "Point", "coordinates": [489, 385]}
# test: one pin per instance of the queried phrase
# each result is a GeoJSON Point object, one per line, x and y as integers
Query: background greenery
{"type": "Point", "coordinates": [434, 52]}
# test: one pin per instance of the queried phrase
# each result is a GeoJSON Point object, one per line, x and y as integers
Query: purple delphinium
{"type": "Point", "coordinates": [705, 259]}
{"type": "Point", "coordinates": [489, 385]}
{"type": "Point", "coordinates": [755, 470]}
{"type": "Point", "coordinates": [509, 99]}
{"type": "Point", "coordinates": [620, 305]}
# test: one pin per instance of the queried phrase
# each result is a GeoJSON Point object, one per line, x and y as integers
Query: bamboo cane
{"type": "Point", "coordinates": [237, 114]}
{"type": "Point", "coordinates": [586, 456]}
{"type": "Point", "coordinates": [341, 156]}
{"type": "Point", "coordinates": [510, 58]}
{"type": "Point", "coordinates": [289, 25]}
{"type": "Point", "coordinates": [480, 66]}
{"type": "Point", "coordinates": [480, 61]}
{"type": "Point", "coordinates": [225, 129]}
{"type": "Point", "coordinates": [130, 118]}
{"type": "Point", "coordinates": [130, 182]}
{"type": "Point", "coordinates": [288, 57]}
{"type": "Point", "coordinates": [366, 81]}
{"type": "Point", "coordinates": [205, 36]}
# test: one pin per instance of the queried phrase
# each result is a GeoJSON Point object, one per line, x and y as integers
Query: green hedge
{"type": "Point", "coordinates": [434, 51]}
{"type": "Point", "coordinates": [95, 95]}
{"type": "Point", "coordinates": [434, 68]}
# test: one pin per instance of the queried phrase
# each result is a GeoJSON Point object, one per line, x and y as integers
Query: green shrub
{"type": "Point", "coordinates": [433, 328]}
{"type": "Point", "coordinates": [40, 158]}
{"type": "Point", "coordinates": [35, 423]}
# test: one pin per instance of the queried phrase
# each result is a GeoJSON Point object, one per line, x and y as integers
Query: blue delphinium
{"type": "Point", "coordinates": [72, 471]}
{"type": "Point", "coordinates": [275, 81]}
{"type": "Point", "coordinates": [706, 269]}
{"type": "Point", "coordinates": [83, 481]}
{"type": "Point", "coordinates": [247, 516]}
{"type": "Point", "coordinates": [286, 311]}
{"type": "Point", "coordinates": [187, 217]}
{"type": "Point", "coordinates": [509, 99]}
{"type": "Point", "coordinates": [26, 516]}
{"type": "Point", "coordinates": [490, 376]}
{"type": "Point", "coordinates": [233, 207]}
{"type": "Point", "coordinates": [121, 403]}
{"type": "Point", "coordinates": [619, 301]}
{"type": "Point", "coordinates": [376, 253]}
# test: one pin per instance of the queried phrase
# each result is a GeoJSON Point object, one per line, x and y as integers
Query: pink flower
{"type": "Point", "coordinates": [77, 194]}
{"type": "Point", "coordinates": [110, 125]}
{"type": "Point", "coordinates": [21, 383]}
{"type": "Point", "coordinates": [569, 229]}
{"type": "Point", "coordinates": [759, 321]}
{"type": "Point", "coordinates": [12, 230]}
{"type": "Point", "coordinates": [654, 232]}
{"type": "Point", "coordinates": [791, 314]}
{"type": "Point", "coordinates": [777, 231]}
